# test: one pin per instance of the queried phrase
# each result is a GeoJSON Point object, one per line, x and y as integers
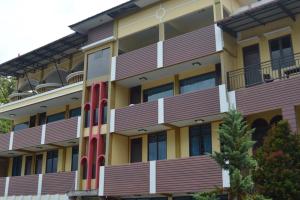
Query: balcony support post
{"type": "Point", "coordinates": [26, 75]}
{"type": "Point", "coordinates": [59, 75]}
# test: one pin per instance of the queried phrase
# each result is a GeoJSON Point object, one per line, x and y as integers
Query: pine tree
{"type": "Point", "coordinates": [278, 171]}
{"type": "Point", "coordinates": [236, 143]}
{"type": "Point", "coordinates": [235, 139]}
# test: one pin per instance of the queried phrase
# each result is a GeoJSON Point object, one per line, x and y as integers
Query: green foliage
{"type": "Point", "coordinates": [278, 171]}
{"type": "Point", "coordinates": [206, 196]}
{"type": "Point", "coordinates": [235, 139]}
{"type": "Point", "coordinates": [7, 86]}
{"type": "Point", "coordinates": [236, 143]}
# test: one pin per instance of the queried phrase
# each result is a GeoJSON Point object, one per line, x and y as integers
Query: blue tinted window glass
{"type": "Point", "coordinates": [200, 140]}
{"type": "Point", "coordinates": [21, 126]}
{"type": "Point", "coordinates": [75, 112]}
{"type": "Point", "coordinates": [157, 146]}
{"type": "Point", "coordinates": [197, 83]}
{"type": "Point", "coordinates": [158, 92]}
{"type": "Point", "coordinates": [56, 117]}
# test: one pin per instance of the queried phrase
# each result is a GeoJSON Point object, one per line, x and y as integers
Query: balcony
{"type": "Point", "coordinates": [185, 175]}
{"type": "Point", "coordinates": [179, 49]}
{"type": "Point", "coordinates": [180, 110]}
{"type": "Point", "coordinates": [30, 139]}
{"type": "Point", "coordinates": [29, 185]}
{"type": "Point", "coordinates": [266, 72]}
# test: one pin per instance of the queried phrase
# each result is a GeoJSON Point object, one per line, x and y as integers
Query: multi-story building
{"type": "Point", "coordinates": [129, 105]}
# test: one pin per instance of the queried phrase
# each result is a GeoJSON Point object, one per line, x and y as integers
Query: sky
{"type": "Point", "coordinates": [28, 24]}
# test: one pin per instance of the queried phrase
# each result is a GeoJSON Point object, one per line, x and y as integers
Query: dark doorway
{"type": "Point", "coordinates": [136, 150]}
{"type": "Point", "coordinates": [261, 129]}
{"type": "Point", "coordinates": [252, 65]}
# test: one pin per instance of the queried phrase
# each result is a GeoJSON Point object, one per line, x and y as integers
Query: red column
{"type": "Point", "coordinates": [98, 100]}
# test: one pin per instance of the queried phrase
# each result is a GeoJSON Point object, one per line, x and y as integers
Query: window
{"type": "Point", "coordinates": [157, 146]}
{"type": "Point", "coordinates": [158, 92]}
{"type": "Point", "coordinates": [17, 166]}
{"type": "Point", "coordinates": [197, 83]}
{"type": "Point", "coordinates": [136, 150]}
{"type": "Point", "coordinates": [56, 117]}
{"type": "Point", "coordinates": [32, 121]}
{"type": "Point", "coordinates": [96, 117]}
{"type": "Point", "coordinates": [42, 118]}
{"type": "Point", "coordinates": [135, 95]}
{"type": "Point", "coordinates": [86, 119]}
{"type": "Point", "coordinates": [51, 161]}
{"type": "Point", "coordinates": [281, 52]}
{"type": "Point", "coordinates": [200, 140]}
{"type": "Point", "coordinates": [74, 164]}
{"type": "Point", "coordinates": [98, 63]}
{"type": "Point", "coordinates": [21, 126]}
{"type": "Point", "coordinates": [28, 164]}
{"type": "Point", "coordinates": [38, 164]}
{"type": "Point", "coordinates": [75, 112]}
{"type": "Point", "coordinates": [104, 115]}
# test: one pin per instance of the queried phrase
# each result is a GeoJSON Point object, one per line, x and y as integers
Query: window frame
{"type": "Point", "coordinates": [146, 97]}
{"type": "Point", "coordinates": [201, 139]}
{"type": "Point", "coordinates": [156, 135]}
{"type": "Point", "coordinates": [75, 110]}
{"type": "Point", "coordinates": [280, 43]}
{"type": "Point", "coordinates": [87, 63]}
{"type": "Point", "coordinates": [28, 159]}
{"type": "Point", "coordinates": [212, 74]}
{"type": "Point", "coordinates": [60, 114]}
{"type": "Point", "coordinates": [17, 166]}
{"type": "Point", "coordinates": [51, 157]}
{"type": "Point", "coordinates": [36, 166]}
{"type": "Point", "coordinates": [74, 162]}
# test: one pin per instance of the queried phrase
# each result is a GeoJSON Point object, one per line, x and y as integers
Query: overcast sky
{"type": "Point", "coordinates": [28, 24]}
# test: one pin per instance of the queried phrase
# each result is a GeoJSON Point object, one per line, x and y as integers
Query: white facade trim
{"type": "Point", "coordinates": [160, 54]}
{"type": "Point", "coordinates": [112, 121]}
{"type": "Point", "coordinates": [43, 136]}
{"type": "Point", "coordinates": [281, 31]}
{"type": "Point", "coordinates": [6, 186]}
{"type": "Point", "coordinates": [161, 117]}
{"type": "Point", "coordinates": [78, 127]}
{"type": "Point", "coordinates": [248, 40]}
{"type": "Point", "coordinates": [40, 183]}
{"type": "Point", "coordinates": [11, 140]}
{"type": "Point", "coordinates": [113, 68]}
{"type": "Point", "coordinates": [152, 178]}
{"type": "Point", "coordinates": [101, 181]}
{"type": "Point", "coordinates": [232, 100]}
{"type": "Point", "coordinates": [224, 106]}
{"type": "Point", "coordinates": [219, 38]}
{"type": "Point", "coordinates": [76, 181]}
{"type": "Point", "coordinates": [226, 179]}
{"type": "Point", "coordinates": [98, 43]}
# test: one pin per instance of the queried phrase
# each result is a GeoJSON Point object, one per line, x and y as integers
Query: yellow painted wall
{"type": "Point", "coordinates": [68, 159]}
{"type": "Point", "coordinates": [264, 42]}
{"type": "Point", "coordinates": [65, 64]}
{"type": "Point", "coordinates": [230, 5]}
{"type": "Point", "coordinates": [264, 115]}
{"type": "Point", "coordinates": [64, 161]}
{"type": "Point", "coordinates": [119, 153]}
{"type": "Point", "coordinates": [184, 142]}
{"type": "Point", "coordinates": [121, 96]}
{"type": "Point", "coordinates": [162, 12]}
{"type": "Point", "coordinates": [171, 144]}
{"type": "Point", "coordinates": [215, 136]}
